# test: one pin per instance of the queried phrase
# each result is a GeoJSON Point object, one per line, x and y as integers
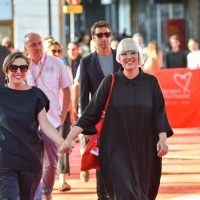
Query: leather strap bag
{"type": "Point", "coordinates": [90, 159]}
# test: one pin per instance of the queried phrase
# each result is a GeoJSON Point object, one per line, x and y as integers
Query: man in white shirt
{"type": "Point", "coordinates": [193, 58]}
{"type": "Point", "coordinates": [137, 37]}
{"type": "Point", "coordinates": [50, 75]}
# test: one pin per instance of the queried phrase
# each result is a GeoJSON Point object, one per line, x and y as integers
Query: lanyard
{"type": "Point", "coordinates": [40, 72]}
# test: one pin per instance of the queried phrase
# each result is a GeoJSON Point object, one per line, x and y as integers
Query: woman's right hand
{"type": "Point", "coordinates": [68, 144]}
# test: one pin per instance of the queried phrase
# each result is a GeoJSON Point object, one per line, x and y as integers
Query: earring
{"type": "Point", "coordinates": [6, 80]}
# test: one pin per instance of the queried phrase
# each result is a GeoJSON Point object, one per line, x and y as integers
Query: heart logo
{"type": "Point", "coordinates": [183, 80]}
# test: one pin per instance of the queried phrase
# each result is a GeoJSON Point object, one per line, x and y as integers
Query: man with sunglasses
{"type": "Point", "coordinates": [93, 68]}
{"type": "Point", "coordinates": [49, 74]}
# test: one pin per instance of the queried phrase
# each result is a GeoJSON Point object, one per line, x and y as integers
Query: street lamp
{"type": "Point", "coordinates": [73, 8]}
{"type": "Point", "coordinates": [49, 16]}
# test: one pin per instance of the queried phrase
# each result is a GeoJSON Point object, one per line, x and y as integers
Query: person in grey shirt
{"type": "Point", "coordinates": [93, 69]}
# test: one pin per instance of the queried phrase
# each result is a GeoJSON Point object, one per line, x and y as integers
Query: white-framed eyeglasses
{"type": "Point", "coordinates": [126, 54]}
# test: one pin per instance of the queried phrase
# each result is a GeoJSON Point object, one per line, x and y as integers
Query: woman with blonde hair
{"type": "Point", "coordinates": [154, 58]}
{"type": "Point", "coordinates": [135, 130]}
{"type": "Point", "coordinates": [63, 168]}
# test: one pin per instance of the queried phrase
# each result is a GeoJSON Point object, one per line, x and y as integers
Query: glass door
{"type": "Point", "coordinates": [6, 30]}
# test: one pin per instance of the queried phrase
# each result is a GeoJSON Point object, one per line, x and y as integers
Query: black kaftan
{"type": "Point", "coordinates": [135, 116]}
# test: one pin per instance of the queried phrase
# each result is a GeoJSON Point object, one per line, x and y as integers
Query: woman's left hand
{"type": "Point", "coordinates": [162, 148]}
{"type": "Point", "coordinates": [67, 146]}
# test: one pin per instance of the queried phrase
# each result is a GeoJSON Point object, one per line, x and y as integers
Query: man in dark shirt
{"type": "Point", "coordinates": [3, 53]}
{"type": "Point", "coordinates": [175, 58]}
{"type": "Point", "coordinates": [73, 58]}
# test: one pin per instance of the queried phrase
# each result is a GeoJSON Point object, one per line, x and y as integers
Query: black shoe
{"type": "Point", "coordinates": [103, 198]}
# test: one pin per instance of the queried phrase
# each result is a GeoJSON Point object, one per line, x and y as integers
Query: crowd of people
{"type": "Point", "coordinates": [49, 97]}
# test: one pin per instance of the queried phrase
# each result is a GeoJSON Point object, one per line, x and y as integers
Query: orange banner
{"type": "Point", "coordinates": [181, 90]}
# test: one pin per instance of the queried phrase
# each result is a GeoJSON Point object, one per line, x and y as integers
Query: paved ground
{"type": "Point", "coordinates": [181, 171]}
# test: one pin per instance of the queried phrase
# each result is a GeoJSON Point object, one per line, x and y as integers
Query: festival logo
{"type": "Point", "coordinates": [183, 81]}
{"type": "Point", "coordinates": [177, 87]}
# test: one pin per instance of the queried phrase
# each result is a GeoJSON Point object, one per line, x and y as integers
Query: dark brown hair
{"type": "Point", "coordinates": [194, 39]}
{"type": "Point", "coordinates": [99, 24]}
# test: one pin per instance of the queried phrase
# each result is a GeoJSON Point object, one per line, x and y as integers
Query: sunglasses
{"type": "Point", "coordinates": [100, 35]}
{"type": "Point", "coordinates": [126, 54]}
{"type": "Point", "coordinates": [54, 51]}
{"type": "Point", "coordinates": [14, 68]}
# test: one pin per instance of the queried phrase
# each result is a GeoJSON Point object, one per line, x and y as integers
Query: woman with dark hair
{"type": "Point", "coordinates": [22, 110]}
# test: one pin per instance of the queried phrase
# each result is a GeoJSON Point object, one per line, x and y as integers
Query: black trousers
{"type": "Point", "coordinates": [18, 184]}
{"type": "Point", "coordinates": [101, 190]}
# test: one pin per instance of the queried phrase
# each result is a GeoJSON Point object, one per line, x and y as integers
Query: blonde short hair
{"type": "Point", "coordinates": [128, 44]}
{"type": "Point", "coordinates": [53, 42]}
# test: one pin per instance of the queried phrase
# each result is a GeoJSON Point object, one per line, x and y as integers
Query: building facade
{"type": "Point", "coordinates": [44, 17]}
{"type": "Point", "coordinates": [154, 19]}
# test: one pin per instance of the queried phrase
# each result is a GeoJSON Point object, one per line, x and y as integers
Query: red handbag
{"type": "Point", "coordinates": [90, 159]}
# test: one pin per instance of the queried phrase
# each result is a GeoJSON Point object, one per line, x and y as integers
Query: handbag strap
{"type": "Point", "coordinates": [97, 136]}
{"type": "Point", "coordinates": [111, 87]}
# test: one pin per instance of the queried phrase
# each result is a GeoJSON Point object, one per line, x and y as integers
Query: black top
{"type": "Point", "coordinates": [74, 64]}
{"type": "Point", "coordinates": [135, 116]}
{"type": "Point", "coordinates": [91, 76]}
{"type": "Point", "coordinates": [21, 146]}
{"type": "Point", "coordinates": [3, 53]}
{"type": "Point", "coordinates": [176, 59]}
